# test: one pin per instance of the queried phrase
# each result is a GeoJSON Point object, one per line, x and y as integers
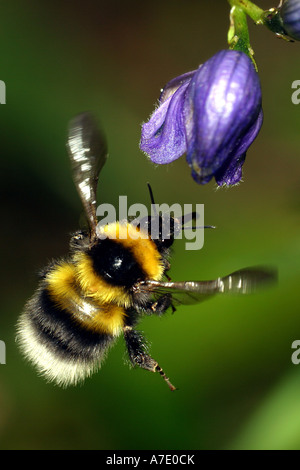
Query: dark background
{"type": "Point", "coordinates": [230, 357]}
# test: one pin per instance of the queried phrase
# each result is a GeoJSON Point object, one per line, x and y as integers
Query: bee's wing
{"type": "Point", "coordinates": [244, 281]}
{"type": "Point", "coordinates": [88, 152]}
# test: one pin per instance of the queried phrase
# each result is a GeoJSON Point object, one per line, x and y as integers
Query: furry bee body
{"type": "Point", "coordinates": [82, 304]}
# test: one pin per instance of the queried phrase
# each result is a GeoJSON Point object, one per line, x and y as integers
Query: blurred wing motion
{"type": "Point", "coordinates": [244, 281]}
{"type": "Point", "coordinates": [88, 152]}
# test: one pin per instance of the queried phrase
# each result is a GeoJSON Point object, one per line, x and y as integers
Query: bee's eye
{"type": "Point", "coordinates": [115, 263]}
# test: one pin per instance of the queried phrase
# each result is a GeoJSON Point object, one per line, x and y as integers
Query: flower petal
{"type": "Point", "coordinates": [231, 171]}
{"type": "Point", "coordinates": [290, 13]}
{"type": "Point", "coordinates": [163, 136]}
{"type": "Point", "coordinates": [231, 174]}
{"type": "Point", "coordinates": [173, 85]}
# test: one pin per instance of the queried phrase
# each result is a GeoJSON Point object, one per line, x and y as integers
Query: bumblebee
{"type": "Point", "coordinates": [111, 278]}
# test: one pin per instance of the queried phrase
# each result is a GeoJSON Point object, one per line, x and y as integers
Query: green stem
{"type": "Point", "coordinates": [270, 18]}
{"type": "Point", "coordinates": [249, 8]}
{"type": "Point", "coordinates": [238, 35]}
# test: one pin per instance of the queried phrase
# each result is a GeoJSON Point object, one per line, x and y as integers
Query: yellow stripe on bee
{"type": "Point", "coordinates": [64, 291]}
{"type": "Point", "coordinates": [109, 319]}
{"type": "Point", "coordinates": [61, 282]}
{"type": "Point", "coordinates": [141, 246]}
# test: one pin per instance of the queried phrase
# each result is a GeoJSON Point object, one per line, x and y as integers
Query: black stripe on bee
{"type": "Point", "coordinates": [60, 332]}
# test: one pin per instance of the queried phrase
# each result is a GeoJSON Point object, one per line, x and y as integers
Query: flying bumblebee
{"type": "Point", "coordinates": [111, 278]}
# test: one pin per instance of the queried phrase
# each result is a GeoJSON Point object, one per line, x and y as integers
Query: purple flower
{"type": "Point", "coordinates": [212, 114]}
{"type": "Point", "coordinates": [290, 14]}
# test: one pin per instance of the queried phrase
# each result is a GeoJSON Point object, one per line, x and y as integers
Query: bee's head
{"type": "Point", "coordinates": [163, 227]}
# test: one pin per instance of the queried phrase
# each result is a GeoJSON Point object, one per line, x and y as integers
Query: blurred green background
{"type": "Point", "coordinates": [230, 357]}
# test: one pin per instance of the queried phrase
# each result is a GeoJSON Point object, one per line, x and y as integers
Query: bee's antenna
{"type": "Point", "coordinates": [151, 193]}
{"type": "Point", "coordinates": [193, 216]}
{"type": "Point", "coordinates": [152, 197]}
{"type": "Point", "coordinates": [195, 228]}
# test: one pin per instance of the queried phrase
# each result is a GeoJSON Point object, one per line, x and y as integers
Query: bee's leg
{"type": "Point", "coordinates": [159, 306]}
{"type": "Point", "coordinates": [167, 267]}
{"type": "Point", "coordinates": [137, 351]}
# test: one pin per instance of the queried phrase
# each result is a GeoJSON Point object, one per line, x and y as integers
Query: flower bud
{"type": "Point", "coordinates": [212, 114]}
{"type": "Point", "coordinates": [290, 14]}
